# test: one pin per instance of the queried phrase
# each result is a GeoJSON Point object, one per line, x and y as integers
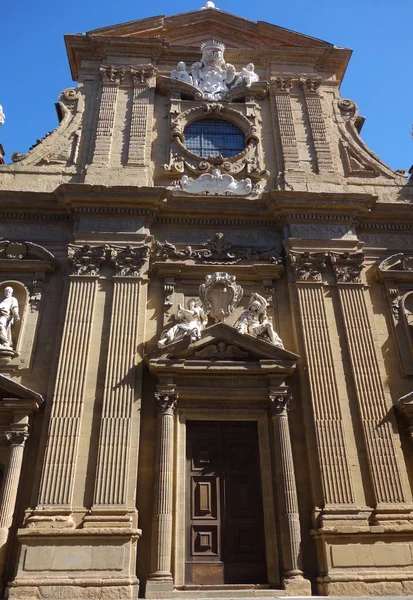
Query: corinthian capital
{"type": "Point", "coordinates": [281, 85]}
{"type": "Point", "coordinates": [166, 402]}
{"type": "Point", "coordinates": [128, 261]}
{"type": "Point", "coordinates": [86, 260]}
{"type": "Point", "coordinates": [310, 85]}
{"type": "Point", "coordinates": [279, 404]}
{"type": "Point", "coordinates": [307, 266]}
{"type": "Point", "coordinates": [18, 437]}
{"type": "Point", "coordinates": [111, 74]}
{"type": "Point", "coordinates": [142, 74]}
{"type": "Point", "coordinates": [347, 266]}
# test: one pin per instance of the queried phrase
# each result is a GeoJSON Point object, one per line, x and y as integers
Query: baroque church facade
{"type": "Point", "coordinates": [206, 344]}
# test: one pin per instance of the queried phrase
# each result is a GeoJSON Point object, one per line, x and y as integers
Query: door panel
{"type": "Point", "coordinates": [224, 504]}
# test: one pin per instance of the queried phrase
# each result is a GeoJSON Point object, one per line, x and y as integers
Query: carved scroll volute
{"type": "Point", "coordinates": [220, 295]}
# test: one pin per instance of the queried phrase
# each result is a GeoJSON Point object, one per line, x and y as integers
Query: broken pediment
{"type": "Point", "coordinates": [222, 348]}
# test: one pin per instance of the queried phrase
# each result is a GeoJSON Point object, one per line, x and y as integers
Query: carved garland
{"type": "Point", "coordinates": [182, 158]}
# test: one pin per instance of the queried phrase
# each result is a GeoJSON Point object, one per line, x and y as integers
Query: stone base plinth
{"type": "Point", "coordinates": [297, 586]}
{"type": "Point", "coordinates": [77, 591]}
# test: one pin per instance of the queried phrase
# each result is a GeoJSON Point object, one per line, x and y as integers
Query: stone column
{"type": "Point", "coordinates": [388, 484]}
{"type": "Point", "coordinates": [17, 439]}
{"type": "Point", "coordinates": [289, 519]}
{"type": "Point", "coordinates": [111, 78]}
{"type": "Point", "coordinates": [161, 577]}
{"type": "Point", "coordinates": [59, 467]}
{"type": "Point", "coordinates": [335, 474]}
{"type": "Point", "coordinates": [280, 91]}
{"type": "Point", "coordinates": [316, 118]}
{"type": "Point", "coordinates": [143, 80]}
{"type": "Point", "coordinates": [112, 471]}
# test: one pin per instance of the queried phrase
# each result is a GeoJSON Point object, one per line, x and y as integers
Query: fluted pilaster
{"type": "Point", "coordinates": [111, 78]}
{"type": "Point", "coordinates": [317, 124]}
{"type": "Point", "coordinates": [385, 472]}
{"type": "Point", "coordinates": [280, 92]}
{"type": "Point", "coordinates": [328, 420]}
{"type": "Point", "coordinates": [56, 488]}
{"type": "Point", "coordinates": [142, 91]}
{"type": "Point", "coordinates": [115, 433]}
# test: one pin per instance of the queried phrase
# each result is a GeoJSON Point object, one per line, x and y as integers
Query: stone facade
{"type": "Point", "coordinates": [110, 226]}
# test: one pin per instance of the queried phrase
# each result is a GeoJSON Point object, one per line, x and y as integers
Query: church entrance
{"type": "Point", "coordinates": [224, 511]}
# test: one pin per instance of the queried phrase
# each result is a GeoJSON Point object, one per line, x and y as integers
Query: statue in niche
{"type": "Point", "coordinates": [254, 321]}
{"type": "Point", "coordinates": [191, 322]}
{"type": "Point", "coordinates": [181, 74]}
{"type": "Point", "coordinates": [9, 314]}
{"type": "Point", "coordinates": [246, 76]}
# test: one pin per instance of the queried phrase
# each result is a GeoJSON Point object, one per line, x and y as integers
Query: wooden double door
{"type": "Point", "coordinates": [225, 527]}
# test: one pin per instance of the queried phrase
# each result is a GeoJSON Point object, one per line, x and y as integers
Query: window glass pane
{"type": "Point", "coordinates": [212, 137]}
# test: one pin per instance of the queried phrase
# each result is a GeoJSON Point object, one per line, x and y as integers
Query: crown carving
{"type": "Point", "coordinates": [212, 45]}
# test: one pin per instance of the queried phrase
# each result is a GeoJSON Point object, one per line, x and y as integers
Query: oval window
{"type": "Point", "coordinates": [213, 137]}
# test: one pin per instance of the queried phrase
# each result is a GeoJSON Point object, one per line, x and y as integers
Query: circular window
{"type": "Point", "coordinates": [213, 137]}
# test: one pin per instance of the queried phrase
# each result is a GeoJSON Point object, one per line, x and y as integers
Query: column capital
{"type": "Point", "coordinates": [281, 85]}
{"type": "Point", "coordinates": [310, 85]}
{"type": "Point", "coordinates": [17, 437]}
{"type": "Point", "coordinates": [86, 260]}
{"type": "Point", "coordinates": [347, 266]}
{"type": "Point", "coordinates": [166, 399]}
{"type": "Point", "coordinates": [279, 404]}
{"type": "Point", "coordinates": [143, 75]}
{"type": "Point", "coordinates": [129, 260]}
{"type": "Point", "coordinates": [307, 266]}
{"type": "Point", "coordinates": [112, 74]}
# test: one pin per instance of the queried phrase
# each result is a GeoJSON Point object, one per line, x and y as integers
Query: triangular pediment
{"type": "Point", "coordinates": [192, 27]}
{"type": "Point", "coordinates": [221, 342]}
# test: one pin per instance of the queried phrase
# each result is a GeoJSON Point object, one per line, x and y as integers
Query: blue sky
{"type": "Point", "coordinates": [379, 79]}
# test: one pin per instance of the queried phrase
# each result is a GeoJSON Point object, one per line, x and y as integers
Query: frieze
{"type": "Point", "coordinates": [111, 225]}
{"type": "Point", "coordinates": [221, 351]}
{"type": "Point", "coordinates": [34, 231]}
{"type": "Point", "coordinates": [241, 238]}
{"type": "Point", "coordinates": [387, 240]}
{"type": "Point", "coordinates": [217, 249]}
{"type": "Point", "coordinates": [322, 231]}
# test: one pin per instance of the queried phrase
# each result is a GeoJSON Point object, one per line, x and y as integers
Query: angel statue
{"type": "Point", "coordinates": [191, 321]}
{"type": "Point", "coordinates": [2, 116]}
{"type": "Point", "coordinates": [254, 321]}
{"type": "Point", "coordinates": [9, 313]}
{"type": "Point", "coordinates": [247, 76]}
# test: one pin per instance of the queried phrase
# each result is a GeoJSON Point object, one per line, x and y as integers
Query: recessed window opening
{"type": "Point", "coordinates": [213, 137]}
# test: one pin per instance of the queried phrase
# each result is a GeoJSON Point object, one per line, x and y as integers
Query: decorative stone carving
{"type": "Point", "coordinates": [9, 314]}
{"type": "Point", "coordinates": [128, 261]}
{"type": "Point", "coordinates": [2, 116]}
{"type": "Point", "coordinates": [221, 351]}
{"type": "Point", "coordinates": [216, 183]}
{"type": "Point", "coordinates": [218, 249]}
{"type": "Point", "coordinates": [86, 260]}
{"type": "Point", "coordinates": [281, 84]}
{"type": "Point", "coordinates": [142, 74]}
{"type": "Point", "coordinates": [25, 251]}
{"type": "Point", "coordinates": [166, 402]}
{"type": "Point", "coordinates": [191, 321]}
{"type": "Point", "coordinates": [310, 85]}
{"type": "Point", "coordinates": [220, 295]}
{"type": "Point", "coordinates": [213, 78]}
{"type": "Point", "coordinates": [404, 406]}
{"type": "Point", "coordinates": [247, 76]}
{"type": "Point", "coordinates": [347, 266]}
{"type": "Point", "coordinates": [254, 321]}
{"type": "Point", "coordinates": [182, 74]}
{"type": "Point", "coordinates": [307, 266]}
{"type": "Point", "coordinates": [279, 403]}
{"type": "Point", "coordinates": [112, 74]}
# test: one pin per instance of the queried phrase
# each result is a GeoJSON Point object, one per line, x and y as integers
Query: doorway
{"type": "Point", "coordinates": [224, 510]}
